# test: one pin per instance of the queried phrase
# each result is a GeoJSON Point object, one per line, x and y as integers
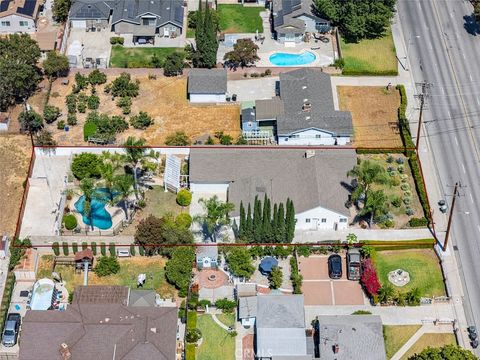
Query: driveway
{"type": "Point", "coordinates": [253, 89]}
{"type": "Point", "coordinates": [319, 289]}
{"type": "Point", "coordinates": [96, 45]}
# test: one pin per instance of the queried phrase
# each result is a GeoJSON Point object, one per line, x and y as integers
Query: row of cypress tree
{"type": "Point", "coordinates": [262, 225]}
{"type": "Point", "coordinates": [205, 55]}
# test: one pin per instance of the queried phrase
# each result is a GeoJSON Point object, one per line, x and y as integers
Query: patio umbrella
{"type": "Point", "coordinates": [267, 264]}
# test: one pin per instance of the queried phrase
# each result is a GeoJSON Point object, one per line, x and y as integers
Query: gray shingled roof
{"type": "Point", "coordinates": [247, 307]}
{"type": "Point", "coordinates": [90, 9]}
{"type": "Point", "coordinates": [94, 331]}
{"type": "Point", "coordinates": [310, 86]}
{"type": "Point", "coordinates": [269, 109]}
{"type": "Point", "coordinates": [207, 81]}
{"type": "Point", "coordinates": [280, 173]}
{"type": "Point", "coordinates": [357, 336]}
{"type": "Point", "coordinates": [286, 13]}
{"type": "Point", "coordinates": [280, 325]}
{"type": "Point", "coordinates": [142, 298]}
{"type": "Point", "coordinates": [132, 10]}
{"type": "Point", "coordinates": [207, 251]}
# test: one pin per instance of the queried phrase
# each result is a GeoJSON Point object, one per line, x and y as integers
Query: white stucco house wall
{"type": "Point", "coordinates": [314, 180]}
{"type": "Point", "coordinates": [207, 85]}
{"type": "Point", "coordinates": [313, 136]}
{"type": "Point", "coordinates": [18, 16]}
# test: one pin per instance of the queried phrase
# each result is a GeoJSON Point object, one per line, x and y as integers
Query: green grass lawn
{"type": "Point", "coordinates": [124, 57]}
{"type": "Point", "coordinates": [216, 343]}
{"type": "Point", "coordinates": [422, 264]}
{"type": "Point", "coordinates": [370, 57]}
{"type": "Point", "coordinates": [433, 340]}
{"type": "Point", "coordinates": [240, 19]}
{"type": "Point", "coordinates": [227, 319]}
{"type": "Point", "coordinates": [159, 202]}
{"type": "Point", "coordinates": [396, 336]}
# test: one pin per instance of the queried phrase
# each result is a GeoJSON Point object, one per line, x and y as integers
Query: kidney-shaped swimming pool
{"type": "Point", "coordinates": [291, 59]}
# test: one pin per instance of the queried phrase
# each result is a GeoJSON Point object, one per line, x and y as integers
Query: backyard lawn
{"type": "Point", "coordinates": [422, 265]}
{"type": "Point", "coordinates": [123, 57]}
{"type": "Point", "coordinates": [433, 340]}
{"type": "Point", "coordinates": [216, 342]}
{"type": "Point", "coordinates": [370, 57]}
{"type": "Point", "coordinates": [240, 19]}
{"type": "Point", "coordinates": [153, 267]}
{"type": "Point", "coordinates": [227, 319]}
{"type": "Point", "coordinates": [396, 336]}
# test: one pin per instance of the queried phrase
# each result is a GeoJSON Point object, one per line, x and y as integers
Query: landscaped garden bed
{"type": "Point", "coordinates": [432, 340]}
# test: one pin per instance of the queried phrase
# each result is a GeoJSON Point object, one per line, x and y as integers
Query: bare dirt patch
{"type": "Point", "coordinates": [165, 99]}
{"type": "Point", "coordinates": [374, 114]}
{"type": "Point", "coordinates": [15, 153]}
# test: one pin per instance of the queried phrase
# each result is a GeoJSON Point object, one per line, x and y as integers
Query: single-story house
{"type": "Point", "coordinates": [207, 85]}
{"type": "Point", "coordinates": [314, 180]}
{"type": "Point", "coordinates": [142, 19]}
{"type": "Point", "coordinates": [343, 337]}
{"type": "Point", "coordinates": [18, 16]}
{"type": "Point", "coordinates": [142, 298]}
{"type": "Point", "coordinates": [280, 327]}
{"type": "Point", "coordinates": [303, 113]}
{"type": "Point", "coordinates": [207, 257]}
{"type": "Point", "coordinates": [291, 19]}
{"type": "Point", "coordinates": [46, 40]}
{"type": "Point", "coordinates": [99, 326]}
{"type": "Point", "coordinates": [247, 311]}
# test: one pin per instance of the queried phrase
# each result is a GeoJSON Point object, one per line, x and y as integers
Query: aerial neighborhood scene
{"type": "Point", "coordinates": [239, 179]}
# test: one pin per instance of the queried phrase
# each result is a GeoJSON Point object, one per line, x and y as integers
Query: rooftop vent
{"type": "Point", "coordinates": [304, 87]}
{"type": "Point", "coordinates": [307, 106]}
{"type": "Point", "coordinates": [154, 330]}
{"type": "Point", "coordinates": [336, 348]}
{"type": "Point", "coordinates": [65, 352]}
{"type": "Point", "coordinates": [309, 154]}
{"type": "Point", "coordinates": [307, 117]}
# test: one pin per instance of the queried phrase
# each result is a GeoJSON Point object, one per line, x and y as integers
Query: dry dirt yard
{"type": "Point", "coordinates": [374, 113]}
{"type": "Point", "coordinates": [15, 153]}
{"type": "Point", "coordinates": [163, 98]}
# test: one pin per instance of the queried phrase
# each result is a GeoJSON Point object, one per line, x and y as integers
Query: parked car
{"type": "Point", "coordinates": [474, 343]}
{"type": "Point", "coordinates": [335, 266]}
{"type": "Point", "coordinates": [442, 205]}
{"type": "Point", "coordinates": [472, 332]}
{"type": "Point", "coordinates": [12, 327]}
{"type": "Point", "coordinates": [354, 264]}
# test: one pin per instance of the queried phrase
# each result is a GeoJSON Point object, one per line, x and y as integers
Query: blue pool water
{"type": "Point", "coordinates": [287, 59]}
{"type": "Point", "coordinates": [101, 218]}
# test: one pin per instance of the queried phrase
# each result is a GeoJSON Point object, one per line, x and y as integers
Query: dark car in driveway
{"type": "Point", "coordinates": [11, 330]}
{"type": "Point", "coordinates": [335, 266]}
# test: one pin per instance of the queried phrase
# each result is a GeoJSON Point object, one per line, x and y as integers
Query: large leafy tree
{"type": "Point", "coordinates": [240, 262]}
{"type": "Point", "coordinates": [55, 64]}
{"type": "Point", "coordinates": [447, 352]}
{"type": "Point", "coordinates": [215, 215]}
{"type": "Point", "coordinates": [30, 121]}
{"type": "Point", "coordinates": [174, 64]}
{"type": "Point", "coordinates": [60, 10]}
{"type": "Point", "coordinates": [178, 269]}
{"type": "Point", "coordinates": [86, 165]}
{"type": "Point", "coordinates": [244, 53]}
{"type": "Point", "coordinates": [19, 74]}
{"type": "Point", "coordinates": [205, 52]}
{"type": "Point", "coordinates": [358, 19]}
{"type": "Point", "coordinates": [275, 278]}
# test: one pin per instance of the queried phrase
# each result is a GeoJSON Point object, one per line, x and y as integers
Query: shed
{"type": "Point", "coordinates": [207, 85]}
{"type": "Point", "coordinates": [207, 257]}
{"type": "Point", "coordinates": [82, 256]}
{"type": "Point", "coordinates": [267, 264]}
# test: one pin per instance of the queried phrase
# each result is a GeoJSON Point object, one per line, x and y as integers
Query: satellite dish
{"type": "Point", "coordinates": [56, 276]}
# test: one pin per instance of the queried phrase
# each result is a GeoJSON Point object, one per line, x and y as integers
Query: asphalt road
{"type": "Point", "coordinates": [444, 49]}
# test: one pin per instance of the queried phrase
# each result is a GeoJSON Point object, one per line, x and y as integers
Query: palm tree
{"type": "Point", "coordinates": [375, 204]}
{"type": "Point", "coordinates": [216, 215]}
{"type": "Point", "coordinates": [366, 173]}
{"type": "Point", "coordinates": [386, 293]}
{"type": "Point", "coordinates": [135, 153]}
{"type": "Point", "coordinates": [87, 187]}
{"type": "Point", "coordinates": [107, 173]}
{"type": "Point", "coordinates": [123, 186]}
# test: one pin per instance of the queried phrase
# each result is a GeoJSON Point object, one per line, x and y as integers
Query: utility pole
{"type": "Point", "coordinates": [450, 216]}
{"type": "Point", "coordinates": [422, 96]}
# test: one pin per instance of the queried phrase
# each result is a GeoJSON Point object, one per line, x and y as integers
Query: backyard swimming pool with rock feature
{"type": "Point", "coordinates": [292, 59]}
{"type": "Point", "coordinates": [100, 217]}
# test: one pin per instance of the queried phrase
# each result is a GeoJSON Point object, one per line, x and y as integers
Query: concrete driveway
{"type": "Point", "coordinates": [253, 89]}
{"type": "Point", "coordinates": [95, 44]}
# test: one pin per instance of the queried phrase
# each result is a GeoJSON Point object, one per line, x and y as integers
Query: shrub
{"type": "Point", "coordinates": [107, 265]}
{"type": "Point", "coordinates": [72, 119]}
{"type": "Point", "coordinates": [85, 165]}
{"type": "Point", "coordinates": [183, 220]}
{"type": "Point", "coordinates": [339, 63]}
{"type": "Point", "coordinates": [369, 278]}
{"type": "Point", "coordinates": [93, 245]}
{"type": "Point", "coordinates": [141, 121]}
{"type": "Point", "coordinates": [56, 248]}
{"type": "Point", "coordinates": [84, 245]}
{"type": "Point", "coordinates": [400, 160]}
{"type": "Point", "coordinates": [397, 201]}
{"type": "Point", "coordinates": [204, 303]}
{"type": "Point", "coordinates": [50, 113]}
{"type": "Point", "coordinates": [117, 40]}
{"type": "Point", "coordinates": [417, 177]}
{"type": "Point", "coordinates": [82, 107]}
{"type": "Point", "coordinates": [193, 335]}
{"type": "Point", "coordinates": [141, 251]}
{"type": "Point", "coordinates": [184, 197]}
{"type": "Point", "coordinates": [361, 312]}
{"type": "Point", "coordinates": [409, 211]}
{"type": "Point", "coordinates": [173, 64]}
{"type": "Point", "coordinates": [93, 102]}
{"type": "Point", "coordinates": [226, 305]}
{"type": "Point", "coordinates": [103, 249]}
{"type": "Point", "coordinates": [132, 250]}
{"type": "Point", "coordinates": [295, 277]}
{"type": "Point", "coordinates": [123, 86]}
{"type": "Point", "coordinates": [111, 249]}
{"type": "Point", "coordinates": [96, 77]}
{"type": "Point", "coordinates": [65, 248]}
{"type": "Point", "coordinates": [74, 247]}
{"type": "Point", "coordinates": [390, 159]}
{"type": "Point", "coordinates": [304, 251]}
{"type": "Point", "coordinates": [401, 169]}
{"type": "Point", "coordinates": [81, 82]}
{"type": "Point", "coordinates": [70, 221]}
{"type": "Point", "coordinates": [407, 201]}
{"type": "Point", "coordinates": [89, 129]}
{"type": "Point", "coordinates": [418, 222]}
{"type": "Point", "coordinates": [61, 125]}
{"type": "Point", "coordinates": [405, 187]}
{"type": "Point", "coordinates": [177, 139]}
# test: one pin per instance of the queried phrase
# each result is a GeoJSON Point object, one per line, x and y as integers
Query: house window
{"type": "Point", "coordinates": [23, 23]}
{"type": "Point", "coordinates": [148, 21]}
{"type": "Point", "coordinates": [318, 136]}
{"type": "Point", "coordinates": [307, 220]}
{"type": "Point", "coordinates": [294, 136]}
{"type": "Point", "coordinates": [5, 23]}
{"type": "Point", "coordinates": [343, 220]}
{"type": "Point", "coordinates": [324, 220]}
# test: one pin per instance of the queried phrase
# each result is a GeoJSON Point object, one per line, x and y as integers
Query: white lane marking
{"type": "Point", "coordinates": [443, 91]}
{"type": "Point", "coordinates": [471, 198]}
{"type": "Point", "coordinates": [463, 167]}
{"type": "Point", "coordinates": [456, 140]}
{"type": "Point", "coordinates": [478, 101]}
{"type": "Point", "coordinates": [478, 227]}
{"type": "Point", "coordinates": [463, 54]}
{"type": "Point", "coordinates": [449, 114]}
{"type": "Point", "coordinates": [470, 75]}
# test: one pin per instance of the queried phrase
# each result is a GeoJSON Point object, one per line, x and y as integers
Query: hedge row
{"type": "Point", "coordinates": [405, 133]}
{"type": "Point", "coordinates": [295, 276]}
{"type": "Point", "coordinates": [7, 297]}
{"type": "Point", "coordinates": [352, 72]}
{"type": "Point", "coordinates": [190, 352]}
{"type": "Point", "coordinates": [403, 245]}
{"type": "Point", "coordinates": [419, 185]}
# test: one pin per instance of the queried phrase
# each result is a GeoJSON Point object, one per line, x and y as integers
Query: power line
{"type": "Point", "coordinates": [425, 86]}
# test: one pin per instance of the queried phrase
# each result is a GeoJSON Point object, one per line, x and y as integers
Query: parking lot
{"type": "Point", "coordinates": [319, 289]}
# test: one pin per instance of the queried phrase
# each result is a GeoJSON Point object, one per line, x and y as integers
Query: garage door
{"type": "Point", "coordinates": [79, 24]}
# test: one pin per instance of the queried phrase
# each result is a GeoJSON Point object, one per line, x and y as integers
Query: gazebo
{"type": "Point", "coordinates": [267, 264]}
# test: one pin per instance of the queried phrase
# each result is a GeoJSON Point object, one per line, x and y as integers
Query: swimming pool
{"type": "Point", "coordinates": [101, 218]}
{"type": "Point", "coordinates": [289, 59]}
{"type": "Point", "coordinates": [42, 294]}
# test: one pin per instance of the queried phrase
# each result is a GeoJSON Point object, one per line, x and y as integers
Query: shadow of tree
{"type": "Point", "coordinates": [471, 25]}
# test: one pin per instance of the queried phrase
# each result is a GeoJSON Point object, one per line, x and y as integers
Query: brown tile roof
{"type": "Point", "coordinates": [46, 39]}
{"type": "Point", "coordinates": [87, 253]}
{"type": "Point", "coordinates": [100, 331]}
{"type": "Point", "coordinates": [101, 294]}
